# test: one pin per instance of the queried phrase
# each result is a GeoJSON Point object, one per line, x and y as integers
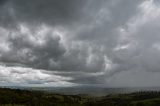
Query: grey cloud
{"type": "Point", "coordinates": [31, 50]}
{"type": "Point", "coordinates": [109, 15]}
{"type": "Point", "coordinates": [2, 2]}
{"type": "Point", "coordinates": [90, 41]}
{"type": "Point", "coordinates": [28, 76]}
{"type": "Point", "coordinates": [41, 11]}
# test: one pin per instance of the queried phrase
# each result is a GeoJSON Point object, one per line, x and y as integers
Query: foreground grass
{"type": "Point", "coordinates": [10, 97]}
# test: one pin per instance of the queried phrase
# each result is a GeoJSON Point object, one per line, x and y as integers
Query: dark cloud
{"type": "Point", "coordinates": [33, 51]}
{"type": "Point", "coordinates": [41, 11]}
{"type": "Point", "coordinates": [89, 41]}
{"type": "Point", "coordinates": [2, 2]}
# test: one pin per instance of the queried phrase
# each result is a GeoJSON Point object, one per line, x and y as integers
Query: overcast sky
{"type": "Point", "coordinates": [80, 42]}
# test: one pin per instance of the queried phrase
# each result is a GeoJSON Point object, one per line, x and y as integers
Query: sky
{"type": "Point", "coordinates": [66, 43]}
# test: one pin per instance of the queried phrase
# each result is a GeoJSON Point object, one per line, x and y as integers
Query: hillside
{"type": "Point", "coordinates": [16, 97]}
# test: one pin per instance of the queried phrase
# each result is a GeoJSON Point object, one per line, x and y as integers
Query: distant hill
{"type": "Point", "coordinates": [17, 97]}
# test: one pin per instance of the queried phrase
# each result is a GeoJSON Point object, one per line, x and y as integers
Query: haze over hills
{"type": "Point", "coordinates": [86, 90]}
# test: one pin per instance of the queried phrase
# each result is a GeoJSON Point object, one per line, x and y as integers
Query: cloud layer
{"type": "Point", "coordinates": [12, 76]}
{"type": "Point", "coordinates": [115, 43]}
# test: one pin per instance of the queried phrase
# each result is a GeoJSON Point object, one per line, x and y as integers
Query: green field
{"type": "Point", "coordinates": [16, 97]}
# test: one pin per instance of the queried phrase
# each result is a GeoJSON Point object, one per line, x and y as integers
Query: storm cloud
{"type": "Point", "coordinates": [76, 42]}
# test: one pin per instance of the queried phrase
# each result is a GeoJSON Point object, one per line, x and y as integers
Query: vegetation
{"type": "Point", "coordinates": [16, 97]}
